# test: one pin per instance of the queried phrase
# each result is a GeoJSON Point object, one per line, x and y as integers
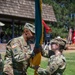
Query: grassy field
{"type": "Point", "coordinates": [70, 69]}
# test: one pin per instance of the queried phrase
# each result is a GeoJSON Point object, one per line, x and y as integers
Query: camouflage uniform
{"type": "Point", "coordinates": [56, 63]}
{"type": "Point", "coordinates": [1, 65]}
{"type": "Point", "coordinates": [17, 57]}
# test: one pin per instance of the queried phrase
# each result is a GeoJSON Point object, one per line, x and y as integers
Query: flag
{"type": "Point", "coordinates": [47, 28]}
{"type": "Point", "coordinates": [38, 22]}
{"type": "Point", "coordinates": [38, 33]}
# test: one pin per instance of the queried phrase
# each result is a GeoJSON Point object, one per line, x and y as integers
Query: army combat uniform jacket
{"type": "Point", "coordinates": [17, 57]}
{"type": "Point", "coordinates": [56, 65]}
{"type": "Point", "coordinates": [1, 65]}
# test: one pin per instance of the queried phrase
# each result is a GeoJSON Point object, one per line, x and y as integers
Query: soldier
{"type": "Point", "coordinates": [1, 65]}
{"type": "Point", "coordinates": [18, 52]}
{"type": "Point", "coordinates": [57, 62]}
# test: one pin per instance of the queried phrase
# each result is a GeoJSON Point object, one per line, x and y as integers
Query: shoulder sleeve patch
{"type": "Point", "coordinates": [15, 45]}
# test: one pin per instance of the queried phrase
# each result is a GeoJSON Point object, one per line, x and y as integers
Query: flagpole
{"type": "Point", "coordinates": [38, 34]}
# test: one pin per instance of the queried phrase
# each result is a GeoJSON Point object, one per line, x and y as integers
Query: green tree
{"type": "Point", "coordinates": [65, 14]}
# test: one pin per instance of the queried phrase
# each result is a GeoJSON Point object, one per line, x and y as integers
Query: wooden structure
{"type": "Point", "coordinates": [15, 13]}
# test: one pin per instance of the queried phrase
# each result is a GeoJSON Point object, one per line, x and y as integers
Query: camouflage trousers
{"type": "Point", "coordinates": [16, 73]}
{"type": "Point", "coordinates": [1, 73]}
{"type": "Point", "coordinates": [20, 73]}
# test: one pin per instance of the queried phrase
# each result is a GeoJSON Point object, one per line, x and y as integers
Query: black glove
{"type": "Point", "coordinates": [37, 50]}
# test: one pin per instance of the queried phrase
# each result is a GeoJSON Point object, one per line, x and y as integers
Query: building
{"type": "Point", "coordinates": [15, 13]}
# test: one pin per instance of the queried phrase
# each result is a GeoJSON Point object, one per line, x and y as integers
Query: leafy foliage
{"type": "Point", "coordinates": [65, 15]}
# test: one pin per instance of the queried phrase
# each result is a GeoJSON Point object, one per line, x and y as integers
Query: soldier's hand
{"type": "Point", "coordinates": [41, 71]}
{"type": "Point", "coordinates": [8, 70]}
{"type": "Point", "coordinates": [37, 50]}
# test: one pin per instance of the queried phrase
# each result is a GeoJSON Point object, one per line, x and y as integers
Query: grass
{"type": "Point", "coordinates": [70, 68]}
